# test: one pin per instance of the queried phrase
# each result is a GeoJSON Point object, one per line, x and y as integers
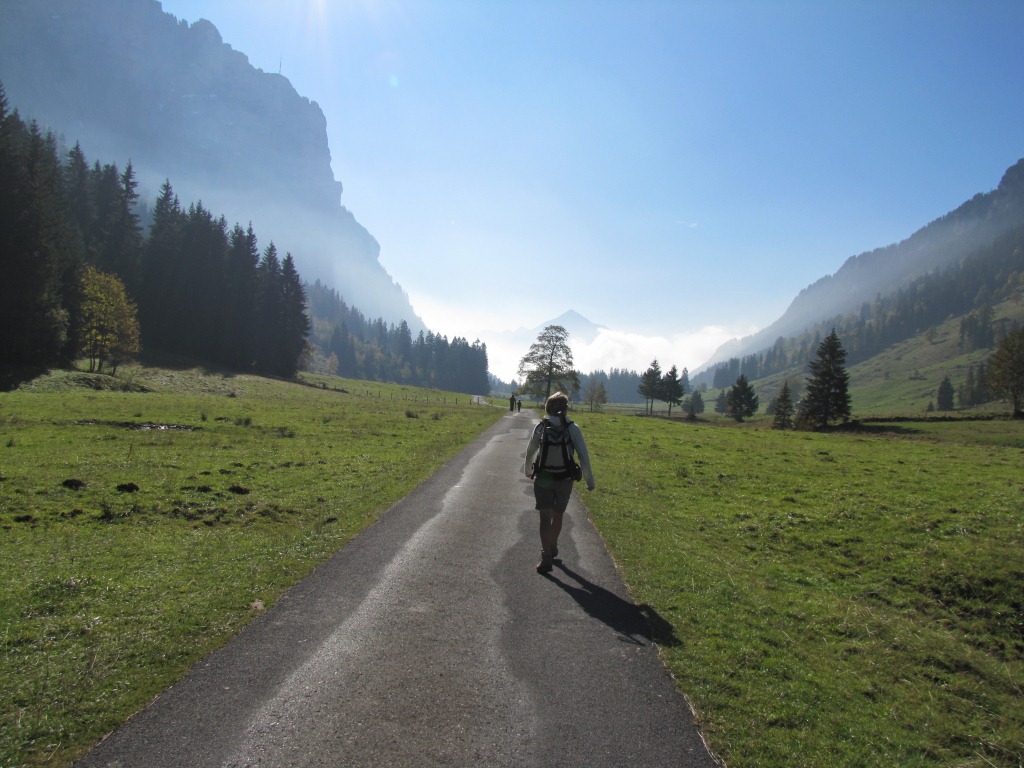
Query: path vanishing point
{"type": "Point", "coordinates": [429, 640]}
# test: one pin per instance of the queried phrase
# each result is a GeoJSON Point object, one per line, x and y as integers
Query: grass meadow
{"type": "Point", "coordinates": [843, 599]}
{"type": "Point", "coordinates": [853, 598]}
{"type": "Point", "coordinates": [140, 529]}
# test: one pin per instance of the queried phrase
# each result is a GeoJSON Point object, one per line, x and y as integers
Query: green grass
{"type": "Point", "coordinates": [904, 378]}
{"type": "Point", "coordinates": [243, 485]}
{"type": "Point", "coordinates": [842, 599]}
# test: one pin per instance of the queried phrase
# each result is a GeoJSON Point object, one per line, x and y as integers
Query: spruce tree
{"type": "Point", "coordinates": [944, 395]}
{"type": "Point", "coordinates": [650, 385]}
{"type": "Point", "coordinates": [827, 397]}
{"type": "Point", "coordinates": [163, 295]}
{"type": "Point", "coordinates": [118, 247]}
{"type": "Point", "coordinates": [742, 401]}
{"type": "Point", "coordinates": [695, 405]}
{"type": "Point", "coordinates": [35, 253]}
{"type": "Point", "coordinates": [294, 324]}
{"type": "Point", "coordinates": [783, 417]}
{"type": "Point", "coordinates": [240, 296]}
{"type": "Point", "coordinates": [268, 309]}
{"type": "Point", "coordinates": [672, 389]}
{"type": "Point", "coordinates": [1006, 371]}
{"type": "Point", "coordinates": [722, 402]}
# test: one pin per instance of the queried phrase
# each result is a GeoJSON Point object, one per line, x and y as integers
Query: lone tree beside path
{"type": "Point", "coordinates": [548, 366]}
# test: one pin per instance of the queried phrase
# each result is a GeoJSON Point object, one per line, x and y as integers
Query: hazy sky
{"type": "Point", "coordinates": [676, 171]}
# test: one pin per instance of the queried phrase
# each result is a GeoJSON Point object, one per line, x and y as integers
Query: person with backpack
{"type": "Point", "coordinates": [550, 462]}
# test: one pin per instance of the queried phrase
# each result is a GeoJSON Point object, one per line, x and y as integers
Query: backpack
{"type": "Point", "coordinates": [556, 451]}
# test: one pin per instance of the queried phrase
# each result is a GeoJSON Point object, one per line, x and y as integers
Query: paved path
{"type": "Point", "coordinates": [430, 641]}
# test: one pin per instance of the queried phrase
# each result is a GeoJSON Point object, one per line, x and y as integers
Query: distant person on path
{"type": "Point", "coordinates": [549, 461]}
{"type": "Point", "coordinates": [519, 406]}
{"type": "Point", "coordinates": [511, 403]}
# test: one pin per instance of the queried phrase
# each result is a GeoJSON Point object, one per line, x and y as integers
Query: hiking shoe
{"type": "Point", "coordinates": [544, 566]}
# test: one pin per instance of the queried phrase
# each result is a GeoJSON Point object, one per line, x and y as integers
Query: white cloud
{"type": "Point", "coordinates": [609, 349]}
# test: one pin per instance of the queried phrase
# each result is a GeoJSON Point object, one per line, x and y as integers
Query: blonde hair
{"type": "Point", "coordinates": [557, 403]}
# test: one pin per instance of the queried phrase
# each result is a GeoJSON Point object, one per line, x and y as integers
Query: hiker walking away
{"type": "Point", "coordinates": [550, 462]}
{"type": "Point", "coordinates": [511, 402]}
{"type": "Point", "coordinates": [519, 406]}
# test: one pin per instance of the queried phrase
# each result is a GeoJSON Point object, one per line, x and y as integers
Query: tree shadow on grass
{"type": "Point", "coordinates": [11, 379]}
{"type": "Point", "coordinates": [634, 623]}
{"type": "Point", "coordinates": [879, 429]}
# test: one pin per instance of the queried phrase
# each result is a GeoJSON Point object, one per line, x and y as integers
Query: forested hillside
{"type": "Point", "coordinates": [129, 80]}
{"type": "Point", "coordinates": [968, 290]}
{"type": "Point", "coordinates": [87, 272]}
{"type": "Point", "coordinates": [945, 242]}
{"type": "Point", "coordinates": [198, 289]}
{"type": "Point", "coordinates": [351, 345]}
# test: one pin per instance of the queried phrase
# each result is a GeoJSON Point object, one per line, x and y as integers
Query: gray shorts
{"type": "Point", "coordinates": [551, 493]}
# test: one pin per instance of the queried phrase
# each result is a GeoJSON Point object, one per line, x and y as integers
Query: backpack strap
{"type": "Point", "coordinates": [566, 442]}
{"type": "Point", "coordinates": [543, 459]}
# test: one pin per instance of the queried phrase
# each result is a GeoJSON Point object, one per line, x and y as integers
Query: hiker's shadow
{"type": "Point", "coordinates": [638, 624]}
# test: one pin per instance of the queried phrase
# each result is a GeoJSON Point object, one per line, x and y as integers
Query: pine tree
{"type": "Point", "coordinates": [78, 184]}
{"type": "Point", "coordinates": [203, 258]}
{"type": "Point", "coordinates": [268, 309]}
{"type": "Point", "coordinates": [240, 296]}
{"type": "Point", "coordinates": [294, 323]}
{"type": "Point", "coordinates": [35, 255]}
{"type": "Point", "coordinates": [742, 401]}
{"type": "Point", "coordinates": [944, 395]}
{"type": "Point", "coordinates": [671, 390]}
{"type": "Point", "coordinates": [694, 405]}
{"type": "Point", "coordinates": [119, 250]}
{"type": "Point", "coordinates": [163, 296]}
{"type": "Point", "coordinates": [1006, 371]}
{"type": "Point", "coordinates": [981, 387]}
{"type": "Point", "coordinates": [827, 397]}
{"type": "Point", "coordinates": [650, 385]}
{"type": "Point", "coordinates": [722, 402]}
{"type": "Point", "coordinates": [967, 391]}
{"type": "Point", "coordinates": [343, 345]}
{"type": "Point", "coordinates": [783, 416]}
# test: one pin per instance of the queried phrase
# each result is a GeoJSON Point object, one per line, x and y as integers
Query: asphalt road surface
{"type": "Point", "coordinates": [431, 641]}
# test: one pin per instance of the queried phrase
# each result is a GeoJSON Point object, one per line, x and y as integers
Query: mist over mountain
{"type": "Point", "coordinates": [132, 83]}
{"type": "Point", "coordinates": [974, 225]}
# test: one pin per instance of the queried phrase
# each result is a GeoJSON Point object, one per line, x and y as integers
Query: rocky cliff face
{"type": "Point", "coordinates": [131, 82]}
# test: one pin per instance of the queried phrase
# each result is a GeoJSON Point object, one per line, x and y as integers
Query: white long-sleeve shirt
{"type": "Point", "coordinates": [579, 446]}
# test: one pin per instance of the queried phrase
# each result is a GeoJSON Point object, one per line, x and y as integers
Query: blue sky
{"type": "Point", "coordinates": [675, 171]}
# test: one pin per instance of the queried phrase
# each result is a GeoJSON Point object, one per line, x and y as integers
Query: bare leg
{"type": "Point", "coordinates": [550, 527]}
{"type": "Point", "coordinates": [553, 530]}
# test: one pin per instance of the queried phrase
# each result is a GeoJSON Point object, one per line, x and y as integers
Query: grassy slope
{"type": "Point", "coordinates": [107, 596]}
{"type": "Point", "coordinates": [825, 600]}
{"type": "Point", "coordinates": [829, 600]}
{"type": "Point", "coordinates": [902, 380]}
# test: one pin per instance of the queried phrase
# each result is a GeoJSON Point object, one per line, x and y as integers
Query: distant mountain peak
{"type": "Point", "coordinates": [571, 317]}
{"type": "Point", "coordinates": [576, 324]}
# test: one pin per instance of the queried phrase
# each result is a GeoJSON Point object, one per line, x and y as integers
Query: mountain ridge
{"type": "Point", "coordinates": [132, 83]}
{"type": "Point", "coordinates": [974, 224]}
